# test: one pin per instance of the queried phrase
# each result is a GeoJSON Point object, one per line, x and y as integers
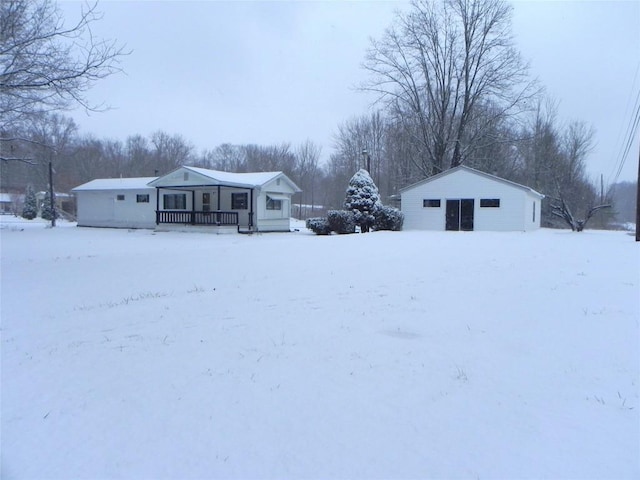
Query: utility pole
{"type": "Point", "coordinates": [52, 195]}
{"type": "Point", "coordinates": [638, 202]}
{"type": "Point", "coordinates": [601, 215]}
{"type": "Point", "coordinates": [367, 160]}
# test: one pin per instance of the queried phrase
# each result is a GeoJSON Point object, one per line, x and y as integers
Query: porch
{"type": "Point", "coordinates": [218, 207]}
{"type": "Point", "coordinates": [213, 221]}
{"type": "Point", "coordinates": [217, 217]}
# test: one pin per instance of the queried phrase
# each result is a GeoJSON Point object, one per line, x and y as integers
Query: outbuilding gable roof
{"type": "Point", "coordinates": [475, 172]}
{"type": "Point", "coordinates": [137, 183]}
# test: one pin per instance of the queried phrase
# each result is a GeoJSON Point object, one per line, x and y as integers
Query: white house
{"type": "Point", "coordinates": [11, 203]}
{"type": "Point", "coordinates": [463, 198]}
{"type": "Point", "coordinates": [190, 198]}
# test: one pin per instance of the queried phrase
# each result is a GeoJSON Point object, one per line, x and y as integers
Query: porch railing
{"type": "Point", "coordinates": [197, 217]}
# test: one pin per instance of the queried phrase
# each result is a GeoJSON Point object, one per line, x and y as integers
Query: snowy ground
{"type": "Point", "coordinates": [131, 354]}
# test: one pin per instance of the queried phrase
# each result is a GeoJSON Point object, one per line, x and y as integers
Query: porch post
{"type": "Point", "coordinates": [157, 205]}
{"type": "Point", "coordinates": [251, 210]}
{"type": "Point", "coordinates": [193, 207]}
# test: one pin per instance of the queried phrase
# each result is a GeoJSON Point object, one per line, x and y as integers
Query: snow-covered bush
{"type": "Point", "coordinates": [363, 199]}
{"type": "Point", "coordinates": [48, 211]}
{"type": "Point", "coordinates": [388, 218]}
{"type": "Point", "coordinates": [30, 208]}
{"type": "Point", "coordinates": [318, 225]}
{"type": "Point", "coordinates": [341, 221]}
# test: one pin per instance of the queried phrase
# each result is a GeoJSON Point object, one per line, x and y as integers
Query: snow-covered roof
{"type": "Point", "coordinates": [136, 183]}
{"type": "Point", "coordinates": [7, 197]}
{"type": "Point", "coordinates": [477, 172]}
{"type": "Point", "coordinates": [254, 179]}
{"type": "Point", "coordinates": [217, 177]}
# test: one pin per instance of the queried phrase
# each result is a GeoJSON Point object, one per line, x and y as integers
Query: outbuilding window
{"type": "Point", "coordinates": [239, 201]}
{"type": "Point", "coordinates": [490, 202]}
{"type": "Point", "coordinates": [431, 203]}
{"type": "Point", "coordinates": [175, 201]}
{"type": "Point", "coordinates": [142, 198]}
{"type": "Point", "coordinates": [120, 198]}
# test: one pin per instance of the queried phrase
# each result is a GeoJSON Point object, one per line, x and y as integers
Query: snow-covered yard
{"type": "Point", "coordinates": [134, 354]}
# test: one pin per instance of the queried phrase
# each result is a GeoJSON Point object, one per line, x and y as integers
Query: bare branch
{"type": "Point", "coordinates": [28, 161]}
{"type": "Point", "coordinates": [46, 66]}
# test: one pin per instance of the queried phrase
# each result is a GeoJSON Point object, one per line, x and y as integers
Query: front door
{"type": "Point", "coordinates": [459, 214]}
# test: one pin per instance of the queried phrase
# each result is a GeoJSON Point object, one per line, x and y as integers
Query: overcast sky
{"type": "Point", "coordinates": [286, 71]}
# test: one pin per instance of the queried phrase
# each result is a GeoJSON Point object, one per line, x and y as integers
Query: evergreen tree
{"type": "Point", "coordinates": [363, 199]}
{"type": "Point", "coordinates": [47, 210]}
{"type": "Point", "coordinates": [30, 208]}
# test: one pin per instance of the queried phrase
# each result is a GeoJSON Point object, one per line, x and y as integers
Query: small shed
{"type": "Point", "coordinates": [116, 202]}
{"type": "Point", "coordinates": [466, 199]}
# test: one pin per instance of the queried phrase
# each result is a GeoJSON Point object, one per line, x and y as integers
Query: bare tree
{"type": "Point", "coordinates": [438, 65]}
{"type": "Point", "coordinates": [307, 174]}
{"type": "Point", "coordinates": [574, 192]}
{"type": "Point", "coordinates": [51, 137]}
{"type": "Point", "coordinates": [259, 158]}
{"type": "Point", "coordinates": [360, 143]}
{"type": "Point", "coordinates": [225, 157]}
{"type": "Point", "coordinates": [44, 64]}
{"type": "Point", "coordinates": [169, 152]}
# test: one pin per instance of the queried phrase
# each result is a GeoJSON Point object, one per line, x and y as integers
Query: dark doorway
{"type": "Point", "coordinates": [459, 215]}
{"type": "Point", "coordinates": [453, 215]}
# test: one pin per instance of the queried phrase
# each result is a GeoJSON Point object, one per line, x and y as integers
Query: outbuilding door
{"type": "Point", "coordinates": [459, 214]}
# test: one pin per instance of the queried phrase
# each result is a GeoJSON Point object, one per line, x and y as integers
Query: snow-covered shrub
{"type": "Point", "coordinates": [30, 208]}
{"type": "Point", "coordinates": [318, 225]}
{"type": "Point", "coordinates": [341, 221]}
{"type": "Point", "coordinates": [388, 218]}
{"type": "Point", "coordinates": [48, 210]}
{"type": "Point", "coordinates": [362, 199]}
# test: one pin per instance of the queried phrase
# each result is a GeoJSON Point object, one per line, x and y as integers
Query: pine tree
{"type": "Point", "coordinates": [30, 208]}
{"type": "Point", "coordinates": [363, 199]}
{"type": "Point", "coordinates": [47, 211]}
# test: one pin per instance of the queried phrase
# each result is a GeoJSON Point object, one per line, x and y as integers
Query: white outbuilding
{"type": "Point", "coordinates": [189, 198]}
{"type": "Point", "coordinates": [463, 198]}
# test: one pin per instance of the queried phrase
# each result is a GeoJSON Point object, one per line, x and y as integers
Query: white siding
{"type": "Point", "coordinates": [533, 206]}
{"type": "Point", "coordinates": [103, 209]}
{"type": "Point", "coordinates": [275, 220]}
{"type": "Point", "coordinates": [514, 213]}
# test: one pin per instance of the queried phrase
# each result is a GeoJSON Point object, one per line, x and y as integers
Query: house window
{"type": "Point", "coordinates": [273, 204]}
{"type": "Point", "coordinates": [431, 203]}
{"type": "Point", "coordinates": [142, 198]}
{"type": "Point", "coordinates": [185, 176]}
{"type": "Point", "coordinates": [120, 198]}
{"type": "Point", "coordinates": [175, 201]}
{"type": "Point", "coordinates": [490, 202]}
{"type": "Point", "coordinates": [239, 201]}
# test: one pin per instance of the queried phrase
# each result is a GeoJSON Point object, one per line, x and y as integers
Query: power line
{"type": "Point", "coordinates": [632, 131]}
{"type": "Point", "coordinates": [629, 133]}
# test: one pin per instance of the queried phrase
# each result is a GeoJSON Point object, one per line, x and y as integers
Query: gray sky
{"type": "Point", "coordinates": [286, 71]}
